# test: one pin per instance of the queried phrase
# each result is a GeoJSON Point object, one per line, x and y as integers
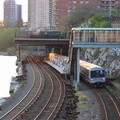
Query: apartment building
{"type": "Point", "coordinates": [39, 13]}
{"type": "Point", "coordinates": [19, 13]}
{"type": "Point", "coordinates": [108, 5]}
{"type": "Point", "coordinates": [12, 12]}
{"type": "Point", "coordinates": [63, 7]}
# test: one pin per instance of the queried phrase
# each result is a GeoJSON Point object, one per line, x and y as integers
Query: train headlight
{"type": "Point", "coordinates": [91, 79]}
{"type": "Point", "coordinates": [103, 78]}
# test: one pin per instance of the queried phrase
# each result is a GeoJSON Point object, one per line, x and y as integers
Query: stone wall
{"type": "Point", "coordinates": [109, 58]}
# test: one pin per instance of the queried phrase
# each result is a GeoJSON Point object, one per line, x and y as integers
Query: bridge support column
{"type": "Point", "coordinates": [19, 52]}
{"type": "Point", "coordinates": [48, 50]}
{"type": "Point", "coordinates": [77, 84]}
{"type": "Point", "coordinates": [78, 65]}
{"type": "Point", "coordinates": [57, 50]}
{"type": "Point", "coordinates": [65, 50]}
{"type": "Point", "coordinates": [75, 71]}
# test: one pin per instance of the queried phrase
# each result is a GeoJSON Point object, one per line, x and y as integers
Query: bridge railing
{"type": "Point", "coordinates": [96, 34]}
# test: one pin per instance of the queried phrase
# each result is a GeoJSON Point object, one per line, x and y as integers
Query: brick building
{"type": "Point", "coordinates": [63, 7]}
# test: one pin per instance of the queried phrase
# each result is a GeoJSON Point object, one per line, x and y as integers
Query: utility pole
{"type": "Point", "coordinates": [110, 8]}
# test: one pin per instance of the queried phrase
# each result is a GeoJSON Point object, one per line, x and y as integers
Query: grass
{"type": "Point", "coordinates": [83, 102]}
{"type": "Point", "coordinates": [114, 92]}
{"type": "Point", "coordinates": [117, 81]}
{"type": "Point", "coordinates": [108, 75]}
{"type": "Point", "coordinates": [22, 84]}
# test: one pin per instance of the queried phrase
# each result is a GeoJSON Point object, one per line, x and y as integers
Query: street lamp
{"type": "Point", "coordinates": [110, 9]}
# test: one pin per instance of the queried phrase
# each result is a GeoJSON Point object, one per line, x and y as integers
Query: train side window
{"type": "Point", "coordinates": [101, 72]}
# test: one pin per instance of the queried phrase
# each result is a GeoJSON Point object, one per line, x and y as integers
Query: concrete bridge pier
{"type": "Point", "coordinates": [48, 50]}
{"type": "Point", "coordinates": [57, 49]}
{"type": "Point", "coordinates": [19, 56]}
{"type": "Point", "coordinates": [77, 72]}
{"type": "Point", "coordinates": [65, 50]}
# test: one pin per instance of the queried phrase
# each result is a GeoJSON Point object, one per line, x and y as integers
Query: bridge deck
{"type": "Point", "coordinates": [95, 44]}
{"type": "Point", "coordinates": [31, 41]}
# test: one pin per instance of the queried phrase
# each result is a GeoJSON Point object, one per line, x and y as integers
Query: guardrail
{"type": "Point", "coordinates": [96, 34]}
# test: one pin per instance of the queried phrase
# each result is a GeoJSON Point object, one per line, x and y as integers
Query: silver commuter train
{"type": "Point", "coordinates": [92, 73]}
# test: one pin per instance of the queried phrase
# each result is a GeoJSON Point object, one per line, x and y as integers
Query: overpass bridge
{"type": "Point", "coordinates": [57, 44]}
{"type": "Point", "coordinates": [80, 38]}
{"type": "Point", "coordinates": [41, 42]}
{"type": "Point", "coordinates": [92, 38]}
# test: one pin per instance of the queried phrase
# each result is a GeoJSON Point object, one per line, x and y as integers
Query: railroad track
{"type": "Point", "coordinates": [29, 99]}
{"type": "Point", "coordinates": [111, 105]}
{"type": "Point", "coordinates": [54, 96]}
{"type": "Point", "coordinates": [44, 98]}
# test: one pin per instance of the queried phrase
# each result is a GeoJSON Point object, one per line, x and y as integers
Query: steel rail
{"type": "Point", "coordinates": [16, 114]}
{"type": "Point", "coordinates": [103, 93]}
{"type": "Point", "coordinates": [103, 104]}
{"type": "Point", "coordinates": [49, 73]}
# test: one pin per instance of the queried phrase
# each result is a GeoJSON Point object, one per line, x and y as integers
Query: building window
{"type": "Point", "coordinates": [69, 11]}
{"type": "Point", "coordinates": [69, 7]}
{"type": "Point", "coordinates": [87, 2]}
{"type": "Point", "coordinates": [74, 2]}
{"type": "Point", "coordinates": [99, 2]}
{"type": "Point", "coordinates": [69, 2]}
{"type": "Point", "coordinates": [74, 7]}
{"type": "Point", "coordinates": [117, 3]}
{"type": "Point", "coordinates": [98, 7]}
{"type": "Point", "coordinates": [81, 2]}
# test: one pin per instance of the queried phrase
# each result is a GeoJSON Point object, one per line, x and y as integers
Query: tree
{"type": "Point", "coordinates": [19, 23]}
{"type": "Point", "coordinates": [79, 16]}
{"type": "Point", "coordinates": [97, 21]}
{"type": "Point", "coordinates": [1, 23]}
{"type": "Point", "coordinates": [114, 12]}
{"type": "Point", "coordinates": [7, 37]}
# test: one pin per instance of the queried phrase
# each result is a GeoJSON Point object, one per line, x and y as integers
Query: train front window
{"type": "Point", "coordinates": [97, 73]}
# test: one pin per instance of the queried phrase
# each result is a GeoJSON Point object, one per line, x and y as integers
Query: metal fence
{"type": "Point", "coordinates": [96, 34]}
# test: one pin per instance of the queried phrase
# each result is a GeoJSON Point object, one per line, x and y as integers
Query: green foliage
{"type": "Point", "coordinates": [114, 12]}
{"type": "Point", "coordinates": [97, 21]}
{"type": "Point", "coordinates": [108, 76]}
{"type": "Point", "coordinates": [19, 23]}
{"type": "Point", "coordinates": [78, 16]}
{"type": "Point", "coordinates": [106, 49]}
{"type": "Point", "coordinates": [7, 37]}
{"type": "Point", "coordinates": [96, 54]}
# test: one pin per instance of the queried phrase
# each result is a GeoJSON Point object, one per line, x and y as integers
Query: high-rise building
{"type": "Point", "coordinates": [9, 12]}
{"type": "Point", "coordinates": [61, 8]}
{"type": "Point", "coordinates": [19, 13]}
{"type": "Point", "coordinates": [39, 12]}
{"type": "Point", "coordinates": [12, 12]}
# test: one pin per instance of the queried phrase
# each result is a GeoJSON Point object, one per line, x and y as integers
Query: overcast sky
{"type": "Point", "coordinates": [24, 4]}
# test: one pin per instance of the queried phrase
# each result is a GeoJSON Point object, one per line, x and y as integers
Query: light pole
{"type": "Point", "coordinates": [110, 9]}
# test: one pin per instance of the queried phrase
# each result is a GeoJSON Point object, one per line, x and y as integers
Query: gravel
{"type": "Point", "coordinates": [88, 104]}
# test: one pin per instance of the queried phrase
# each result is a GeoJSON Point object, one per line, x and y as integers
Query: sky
{"type": "Point", "coordinates": [24, 4]}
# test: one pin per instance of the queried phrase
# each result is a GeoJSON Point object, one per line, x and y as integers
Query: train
{"type": "Point", "coordinates": [93, 74]}
{"type": "Point", "coordinates": [60, 60]}
{"type": "Point", "coordinates": [55, 34]}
